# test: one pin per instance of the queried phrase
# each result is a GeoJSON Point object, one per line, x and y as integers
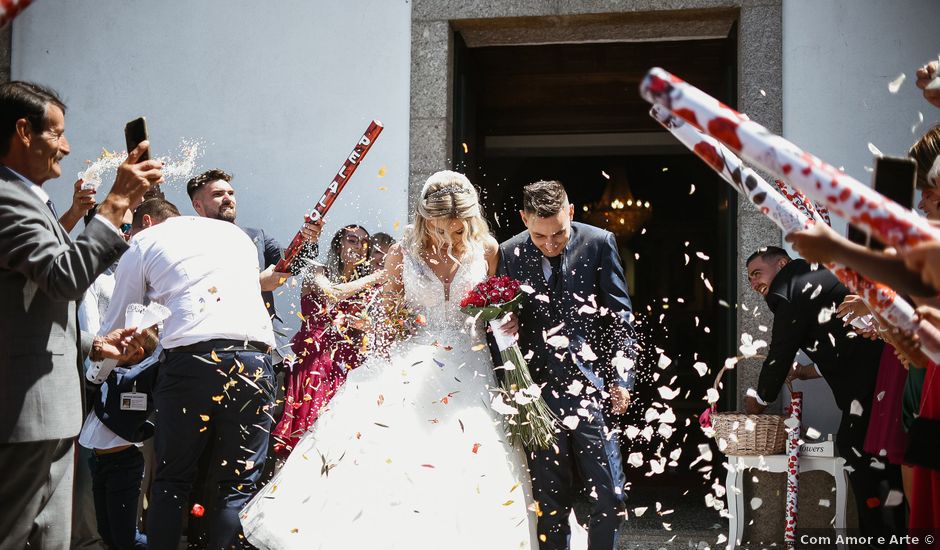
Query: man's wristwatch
{"type": "Point", "coordinates": [97, 349]}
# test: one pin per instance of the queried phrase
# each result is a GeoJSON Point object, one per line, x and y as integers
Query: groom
{"type": "Point", "coordinates": [578, 328]}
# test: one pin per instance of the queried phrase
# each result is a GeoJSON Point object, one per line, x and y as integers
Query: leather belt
{"type": "Point", "coordinates": [222, 345]}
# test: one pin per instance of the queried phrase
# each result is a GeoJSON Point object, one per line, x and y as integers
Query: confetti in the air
{"type": "Point", "coordinates": [895, 84]}
{"type": "Point", "coordinates": [856, 408]}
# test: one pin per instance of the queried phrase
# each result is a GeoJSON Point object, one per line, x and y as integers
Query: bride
{"type": "Point", "coordinates": [409, 454]}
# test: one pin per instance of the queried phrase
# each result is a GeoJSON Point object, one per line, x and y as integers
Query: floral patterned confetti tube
{"type": "Point", "coordinates": [9, 9]}
{"type": "Point", "coordinates": [814, 210]}
{"type": "Point", "coordinates": [793, 465]}
{"type": "Point", "coordinates": [845, 196]}
{"type": "Point", "coordinates": [788, 217]}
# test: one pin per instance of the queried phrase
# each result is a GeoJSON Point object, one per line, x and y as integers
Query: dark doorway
{"type": "Point", "coordinates": [572, 112]}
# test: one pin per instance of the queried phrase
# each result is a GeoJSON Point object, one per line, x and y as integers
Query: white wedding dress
{"type": "Point", "coordinates": [408, 454]}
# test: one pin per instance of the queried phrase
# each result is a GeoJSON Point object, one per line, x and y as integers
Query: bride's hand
{"type": "Point", "coordinates": [510, 324]}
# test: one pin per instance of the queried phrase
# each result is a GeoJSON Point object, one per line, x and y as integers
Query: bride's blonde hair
{"type": "Point", "coordinates": [448, 195]}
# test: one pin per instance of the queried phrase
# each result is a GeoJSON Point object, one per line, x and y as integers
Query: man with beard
{"type": "Point", "coordinates": [213, 197]}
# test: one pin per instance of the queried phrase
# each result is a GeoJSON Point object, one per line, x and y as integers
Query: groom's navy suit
{"type": "Point", "coordinates": [591, 306]}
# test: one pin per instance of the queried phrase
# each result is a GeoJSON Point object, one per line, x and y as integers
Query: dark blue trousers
{"type": "Point", "coordinates": [595, 453]}
{"type": "Point", "coordinates": [195, 396]}
{"type": "Point", "coordinates": [115, 479]}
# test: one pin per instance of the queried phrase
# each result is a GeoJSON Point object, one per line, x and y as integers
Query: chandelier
{"type": "Point", "coordinates": [618, 211]}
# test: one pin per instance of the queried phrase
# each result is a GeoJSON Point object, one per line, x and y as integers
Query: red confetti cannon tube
{"type": "Point", "coordinates": [847, 197]}
{"type": "Point", "coordinates": [789, 218]}
{"type": "Point", "coordinates": [9, 9]}
{"type": "Point", "coordinates": [332, 191]}
{"type": "Point", "coordinates": [793, 466]}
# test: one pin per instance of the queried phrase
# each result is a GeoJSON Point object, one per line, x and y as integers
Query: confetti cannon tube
{"type": "Point", "coordinates": [845, 196]}
{"type": "Point", "coordinates": [788, 218]}
{"type": "Point", "coordinates": [793, 465]}
{"type": "Point", "coordinates": [814, 210]}
{"type": "Point", "coordinates": [9, 9]}
{"type": "Point", "coordinates": [332, 190]}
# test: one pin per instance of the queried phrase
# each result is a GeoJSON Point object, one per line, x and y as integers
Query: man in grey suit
{"type": "Point", "coordinates": [43, 273]}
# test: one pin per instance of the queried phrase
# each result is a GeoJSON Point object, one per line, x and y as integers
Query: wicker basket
{"type": "Point", "coordinates": [749, 434]}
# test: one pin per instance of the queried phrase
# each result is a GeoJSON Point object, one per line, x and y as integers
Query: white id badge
{"type": "Point", "coordinates": [133, 401]}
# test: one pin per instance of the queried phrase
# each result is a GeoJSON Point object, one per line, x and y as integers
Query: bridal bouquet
{"type": "Point", "coordinates": [531, 423]}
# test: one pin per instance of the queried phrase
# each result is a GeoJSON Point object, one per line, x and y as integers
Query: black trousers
{"type": "Point", "coordinates": [871, 485]}
{"type": "Point", "coordinates": [195, 396]}
{"type": "Point", "coordinates": [116, 479]}
{"type": "Point", "coordinates": [595, 453]}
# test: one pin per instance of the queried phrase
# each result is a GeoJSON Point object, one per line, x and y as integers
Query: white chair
{"type": "Point", "coordinates": [734, 485]}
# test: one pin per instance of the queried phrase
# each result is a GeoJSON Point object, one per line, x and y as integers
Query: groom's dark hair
{"type": "Point", "coordinates": [544, 198]}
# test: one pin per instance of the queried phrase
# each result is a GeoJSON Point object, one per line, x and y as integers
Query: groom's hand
{"type": "Point", "coordinates": [619, 399]}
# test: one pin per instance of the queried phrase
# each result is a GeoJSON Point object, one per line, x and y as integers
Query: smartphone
{"type": "Point", "coordinates": [895, 178]}
{"type": "Point", "coordinates": [858, 236]}
{"type": "Point", "coordinates": [135, 132]}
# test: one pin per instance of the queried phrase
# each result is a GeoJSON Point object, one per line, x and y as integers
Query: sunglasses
{"type": "Point", "coordinates": [125, 228]}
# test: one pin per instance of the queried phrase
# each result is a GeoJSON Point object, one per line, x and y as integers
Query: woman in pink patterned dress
{"type": "Point", "coordinates": [331, 340]}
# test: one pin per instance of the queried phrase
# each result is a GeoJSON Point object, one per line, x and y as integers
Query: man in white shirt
{"type": "Point", "coordinates": [216, 374]}
{"type": "Point", "coordinates": [43, 273]}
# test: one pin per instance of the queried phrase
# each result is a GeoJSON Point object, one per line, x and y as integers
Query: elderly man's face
{"type": "Point", "coordinates": [215, 200]}
{"type": "Point", "coordinates": [47, 146]}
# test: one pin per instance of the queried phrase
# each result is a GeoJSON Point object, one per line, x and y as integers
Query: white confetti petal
{"type": "Point", "coordinates": [668, 393]}
{"type": "Point", "coordinates": [711, 395]}
{"type": "Point", "coordinates": [635, 460]}
{"type": "Point", "coordinates": [756, 503]}
{"type": "Point", "coordinates": [638, 512]}
{"type": "Point", "coordinates": [812, 433]}
{"type": "Point", "coordinates": [874, 150]}
{"type": "Point", "coordinates": [824, 502]}
{"type": "Point", "coordinates": [895, 84]}
{"type": "Point", "coordinates": [501, 406]}
{"type": "Point", "coordinates": [664, 362]}
{"type": "Point", "coordinates": [575, 387]}
{"type": "Point", "coordinates": [587, 353]}
{"type": "Point", "coordinates": [633, 431]}
{"type": "Point", "coordinates": [558, 341]}
{"type": "Point", "coordinates": [895, 498]}
{"type": "Point", "coordinates": [571, 422]}
{"type": "Point", "coordinates": [856, 408]}
{"type": "Point", "coordinates": [701, 368]}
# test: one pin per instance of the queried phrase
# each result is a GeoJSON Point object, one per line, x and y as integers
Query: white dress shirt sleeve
{"type": "Point", "coordinates": [130, 287]}
{"type": "Point", "coordinates": [109, 224]}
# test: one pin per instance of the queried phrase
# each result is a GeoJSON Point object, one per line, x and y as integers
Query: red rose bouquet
{"type": "Point", "coordinates": [531, 422]}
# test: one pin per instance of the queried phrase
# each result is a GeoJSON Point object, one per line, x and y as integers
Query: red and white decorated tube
{"type": "Point", "coordinates": [847, 197]}
{"type": "Point", "coordinates": [788, 217]}
{"type": "Point", "coordinates": [793, 466]}
{"type": "Point", "coordinates": [812, 209]}
{"type": "Point", "coordinates": [333, 190]}
{"type": "Point", "coordinates": [9, 9]}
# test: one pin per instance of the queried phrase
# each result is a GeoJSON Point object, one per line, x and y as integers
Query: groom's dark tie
{"type": "Point", "coordinates": [556, 282]}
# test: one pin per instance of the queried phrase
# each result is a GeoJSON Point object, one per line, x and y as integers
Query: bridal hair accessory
{"type": "Point", "coordinates": [446, 191]}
